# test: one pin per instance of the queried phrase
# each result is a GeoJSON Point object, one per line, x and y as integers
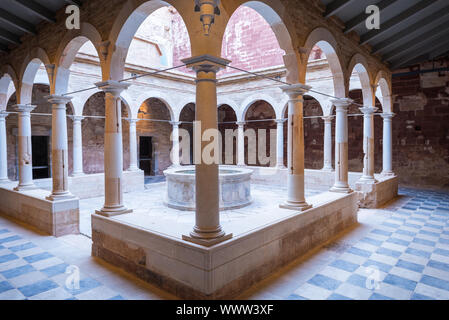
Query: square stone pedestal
{"type": "Point", "coordinates": [261, 244]}
{"type": "Point", "coordinates": [56, 218]}
{"type": "Point", "coordinates": [376, 194]}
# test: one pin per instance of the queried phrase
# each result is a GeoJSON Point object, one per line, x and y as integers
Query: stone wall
{"type": "Point", "coordinates": [421, 126]}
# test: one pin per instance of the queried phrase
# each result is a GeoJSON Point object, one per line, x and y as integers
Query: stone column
{"type": "Point", "coordinates": [241, 143]}
{"type": "Point", "coordinates": [59, 148]}
{"type": "Point", "coordinates": [77, 146]}
{"type": "Point", "coordinates": [207, 230]}
{"type": "Point", "coordinates": [327, 152]}
{"type": "Point", "coordinates": [175, 142]}
{"type": "Point", "coordinates": [341, 146]}
{"type": "Point", "coordinates": [25, 156]}
{"type": "Point", "coordinates": [280, 143]}
{"type": "Point", "coordinates": [133, 145]}
{"type": "Point", "coordinates": [388, 144]}
{"type": "Point", "coordinates": [3, 148]}
{"type": "Point", "coordinates": [295, 179]}
{"type": "Point", "coordinates": [368, 144]}
{"type": "Point", "coordinates": [113, 150]}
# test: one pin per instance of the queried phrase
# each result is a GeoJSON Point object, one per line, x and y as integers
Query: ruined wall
{"type": "Point", "coordinates": [421, 126]}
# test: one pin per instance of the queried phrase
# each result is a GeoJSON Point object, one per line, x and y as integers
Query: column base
{"type": "Point", "coordinates": [78, 174]}
{"type": "Point", "coordinates": [133, 169]}
{"type": "Point", "coordinates": [297, 206]}
{"type": "Point", "coordinates": [341, 189]}
{"type": "Point", "coordinates": [4, 180]}
{"type": "Point", "coordinates": [193, 237]}
{"type": "Point", "coordinates": [281, 167]}
{"type": "Point", "coordinates": [107, 212]}
{"type": "Point", "coordinates": [367, 180]}
{"type": "Point", "coordinates": [384, 173]}
{"type": "Point", "coordinates": [60, 196]}
{"type": "Point", "coordinates": [207, 239]}
{"type": "Point", "coordinates": [326, 169]}
{"type": "Point", "coordinates": [25, 187]}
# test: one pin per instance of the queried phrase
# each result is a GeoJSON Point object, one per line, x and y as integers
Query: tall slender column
{"type": "Point", "coordinates": [327, 152]}
{"type": "Point", "coordinates": [207, 230]}
{"type": "Point", "coordinates": [25, 156]}
{"type": "Point", "coordinates": [77, 146]}
{"type": "Point", "coordinates": [295, 179]}
{"type": "Point", "coordinates": [3, 148]}
{"type": "Point", "coordinates": [387, 144]}
{"type": "Point", "coordinates": [341, 146]}
{"type": "Point", "coordinates": [241, 143]}
{"type": "Point", "coordinates": [368, 144]}
{"type": "Point", "coordinates": [59, 148]}
{"type": "Point", "coordinates": [175, 141]}
{"type": "Point", "coordinates": [133, 145]}
{"type": "Point", "coordinates": [280, 143]}
{"type": "Point", "coordinates": [113, 149]}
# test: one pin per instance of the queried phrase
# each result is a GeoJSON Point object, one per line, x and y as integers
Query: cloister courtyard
{"type": "Point", "coordinates": [260, 150]}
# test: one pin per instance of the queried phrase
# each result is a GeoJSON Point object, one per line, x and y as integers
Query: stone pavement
{"type": "Point", "coordinates": [398, 252]}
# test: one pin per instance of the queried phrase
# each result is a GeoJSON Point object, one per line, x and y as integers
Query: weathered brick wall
{"type": "Point", "coordinates": [421, 126]}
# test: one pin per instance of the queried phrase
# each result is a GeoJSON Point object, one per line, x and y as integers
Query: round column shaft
{"type": "Point", "coordinates": [77, 146]}
{"type": "Point", "coordinates": [341, 146]}
{"type": "Point", "coordinates": [280, 143]}
{"type": "Point", "coordinates": [59, 148]}
{"type": "Point", "coordinates": [368, 144]}
{"type": "Point", "coordinates": [241, 143]}
{"type": "Point", "coordinates": [25, 154]}
{"type": "Point", "coordinates": [207, 230]}
{"type": "Point", "coordinates": [295, 179]}
{"type": "Point", "coordinates": [327, 152]}
{"type": "Point", "coordinates": [388, 144]}
{"type": "Point", "coordinates": [113, 149]}
{"type": "Point", "coordinates": [175, 141]}
{"type": "Point", "coordinates": [133, 145]}
{"type": "Point", "coordinates": [3, 148]}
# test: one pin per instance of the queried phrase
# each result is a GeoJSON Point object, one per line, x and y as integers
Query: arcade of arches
{"type": "Point", "coordinates": [84, 151]}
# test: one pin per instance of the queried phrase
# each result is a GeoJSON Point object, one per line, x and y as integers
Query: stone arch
{"type": "Point", "coordinates": [360, 65]}
{"type": "Point", "coordinates": [384, 91]}
{"type": "Point", "coordinates": [131, 16]}
{"type": "Point", "coordinates": [70, 45]}
{"type": "Point", "coordinates": [324, 39]}
{"type": "Point", "coordinates": [180, 107]}
{"type": "Point", "coordinates": [8, 85]}
{"type": "Point", "coordinates": [156, 95]}
{"type": "Point", "coordinates": [229, 102]}
{"type": "Point", "coordinates": [248, 102]}
{"type": "Point", "coordinates": [275, 13]}
{"type": "Point", "coordinates": [30, 67]}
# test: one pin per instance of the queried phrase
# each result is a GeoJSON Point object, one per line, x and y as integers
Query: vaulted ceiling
{"type": "Point", "coordinates": [19, 17]}
{"type": "Point", "coordinates": [411, 31]}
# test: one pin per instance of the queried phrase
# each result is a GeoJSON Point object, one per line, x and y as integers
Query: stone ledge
{"type": "Point", "coordinates": [224, 270]}
{"type": "Point", "coordinates": [56, 218]}
{"type": "Point", "coordinates": [375, 195]}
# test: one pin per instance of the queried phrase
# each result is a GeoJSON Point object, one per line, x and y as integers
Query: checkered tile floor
{"type": "Point", "coordinates": [29, 272]}
{"type": "Point", "coordinates": [404, 257]}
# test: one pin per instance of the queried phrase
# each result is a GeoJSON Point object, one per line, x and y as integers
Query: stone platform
{"type": "Point", "coordinates": [55, 218]}
{"type": "Point", "coordinates": [148, 242]}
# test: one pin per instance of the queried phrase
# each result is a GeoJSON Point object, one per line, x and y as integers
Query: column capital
{"type": "Point", "coordinates": [133, 121]}
{"type": "Point", "coordinates": [294, 90]}
{"type": "Point", "coordinates": [388, 116]}
{"type": "Point", "coordinates": [26, 108]}
{"type": "Point", "coordinates": [240, 123]}
{"type": "Point", "coordinates": [175, 123]}
{"type": "Point", "coordinates": [113, 87]}
{"type": "Point", "coordinates": [206, 63]}
{"type": "Point", "coordinates": [368, 110]}
{"type": "Point", "coordinates": [327, 118]}
{"type": "Point", "coordinates": [342, 103]}
{"type": "Point", "coordinates": [3, 114]}
{"type": "Point", "coordinates": [57, 99]}
{"type": "Point", "coordinates": [76, 118]}
{"type": "Point", "coordinates": [280, 121]}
